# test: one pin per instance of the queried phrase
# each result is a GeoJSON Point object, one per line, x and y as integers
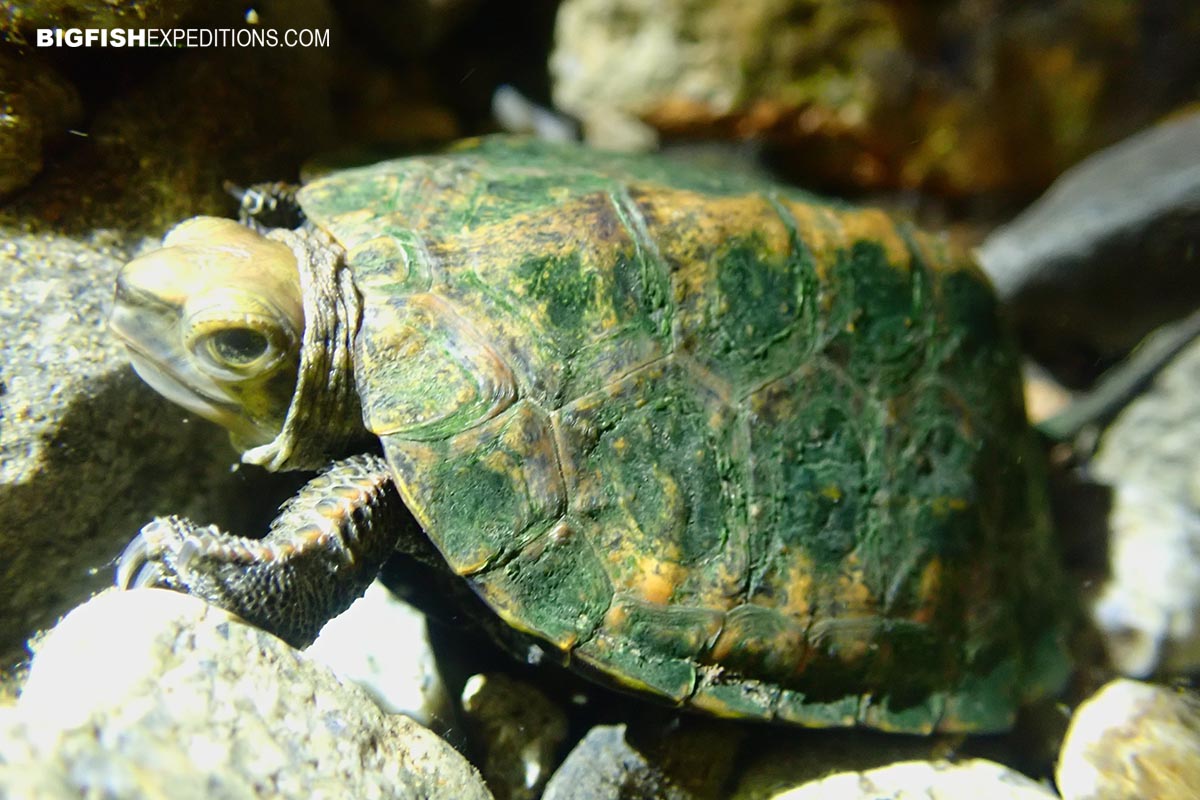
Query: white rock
{"type": "Point", "coordinates": [1132, 740]}
{"type": "Point", "coordinates": [152, 694]}
{"type": "Point", "coordinates": [976, 779]}
{"type": "Point", "coordinates": [1149, 610]}
{"type": "Point", "coordinates": [382, 644]}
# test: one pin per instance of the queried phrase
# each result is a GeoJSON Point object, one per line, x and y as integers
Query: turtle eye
{"type": "Point", "coordinates": [237, 347]}
{"type": "Point", "coordinates": [236, 353]}
{"type": "Point", "coordinates": [234, 335]}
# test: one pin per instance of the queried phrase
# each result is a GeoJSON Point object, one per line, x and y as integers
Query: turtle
{"type": "Point", "coordinates": [698, 435]}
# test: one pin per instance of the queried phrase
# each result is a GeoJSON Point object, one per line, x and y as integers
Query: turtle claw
{"type": "Point", "coordinates": [142, 562]}
{"type": "Point", "coordinates": [134, 564]}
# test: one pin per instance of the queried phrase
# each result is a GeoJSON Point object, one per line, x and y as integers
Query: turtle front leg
{"type": "Point", "coordinates": [321, 553]}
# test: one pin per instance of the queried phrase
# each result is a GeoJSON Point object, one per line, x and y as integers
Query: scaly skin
{"type": "Point", "coordinates": [321, 553]}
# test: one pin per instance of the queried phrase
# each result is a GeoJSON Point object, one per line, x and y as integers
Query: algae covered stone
{"type": "Point", "coordinates": [704, 437]}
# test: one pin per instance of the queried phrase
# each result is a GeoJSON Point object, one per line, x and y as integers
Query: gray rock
{"type": "Point", "coordinates": [38, 107]}
{"type": "Point", "coordinates": [148, 694]}
{"type": "Point", "coordinates": [1108, 253]}
{"type": "Point", "coordinates": [382, 644]}
{"type": "Point", "coordinates": [516, 731]}
{"type": "Point", "coordinates": [976, 779]}
{"type": "Point", "coordinates": [1149, 609]}
{"type": "Point", "coordinates": [1132, 740]}
{"type": "Point", "coordinates": [515, 113]}
{"type": "Point", "coordinates": [87, 452]}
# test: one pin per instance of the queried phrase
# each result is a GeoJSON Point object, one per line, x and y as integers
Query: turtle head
{"type": "Point", "coordinates": [214, 321]}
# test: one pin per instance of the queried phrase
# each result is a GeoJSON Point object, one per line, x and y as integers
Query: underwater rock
{"type": "Point", "coordinates": [604, 766]}
{"type": "Point", "coordinates": [398, 670]}
{"type": "Point", "coordinates": [177, 698]}
{"type": "Point", "coordinates": [1149, 609]}
{"type": "Point", "coordinates": [38, 107]}
{"type": "Point", "coordinates": [1132, 740]}
{"type": "Point", "coordinates": [774, 764]}
{"type": "Point", "coordinates": [659, 756]}
{"type": "Point", "coordinates": [517, 732]}
{"type": "Point", "coordinates": [977, 779]}
{"type": "Point", "coordinates": [952, 97]}
{"type": "Point", "coordinates": [88, 453]}
{"type": "Point", "coordinates": [1108, 252]}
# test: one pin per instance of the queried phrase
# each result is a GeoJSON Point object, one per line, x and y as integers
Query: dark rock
{"type": "Point", "coordinates": [1109, 252]}
{"type": "Point", "coordinates": [517, 732]}
{"type": "Point", "coordinates": [38, 107]}
{"type": "Point", "coordinates": [603, 766]}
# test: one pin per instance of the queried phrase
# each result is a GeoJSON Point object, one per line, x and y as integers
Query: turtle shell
{"type": "Point", "coordinates": [713, 439]}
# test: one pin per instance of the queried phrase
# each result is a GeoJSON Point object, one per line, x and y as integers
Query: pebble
{"type": "Point", "coordinates": [976, 779]}
{"type": "Point", "coordinates": [605, 766]}
{"type": "Point", "coordinates": [1132, 740]}
{"type": "Point", "coordinates": [516, 731]}
{"type": "Point", "coordinates": [382, 644]}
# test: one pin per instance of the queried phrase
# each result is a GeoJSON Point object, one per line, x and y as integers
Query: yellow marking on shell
{"type": "Point", "coordinates": [657, 587]}
{"type": "Point", "coordinates": [615, 617]}
{"type": "Point", "coordinates": [854, 596]}
{"type": "Point", "coordinates": [818, 228]}
{"type": "Point", "coordinates": [690, 230]}
{"type": "Point", "coordinates": [500, 463]}
{"type": "Point", "coordinates": [929, 589]}
{"type": "Point", "coordinates": [360, 219]}
{"type": "Point", "coordinates": [723, 644]}
{"type": "Point", "coordinates": [798, 589]}
{"type": "Point", "coordinates": [620, 445]}
{"type": "Point", "coordinates": [943, 506]}
{"type": "Point", "coordinates": [873, 225]}
{"type": "Point", "coordinates": [832, 492]}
